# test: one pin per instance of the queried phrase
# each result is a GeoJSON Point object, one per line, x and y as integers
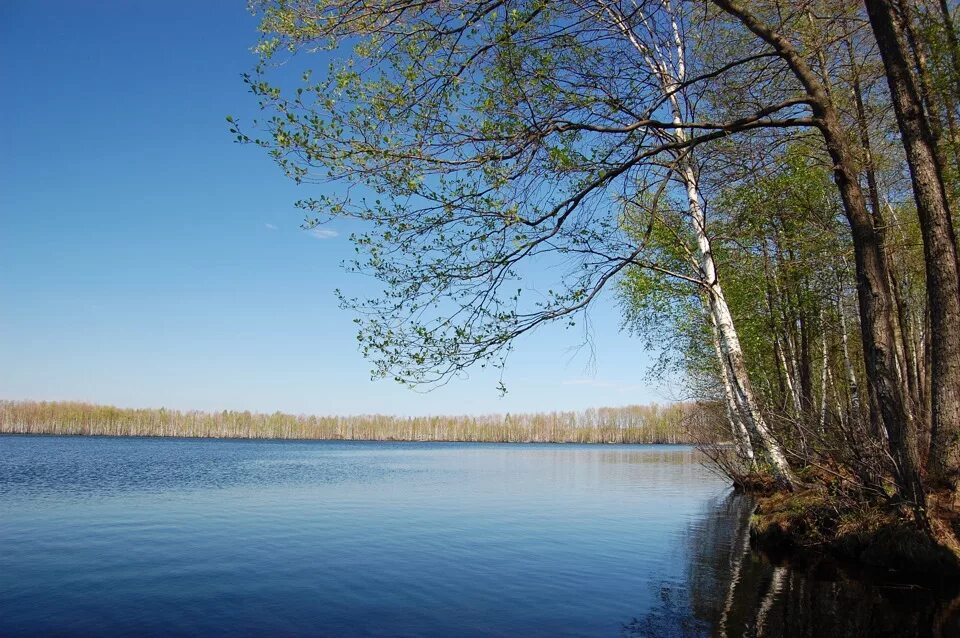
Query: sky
{"type": "Point", "coordinates": [146, 260]}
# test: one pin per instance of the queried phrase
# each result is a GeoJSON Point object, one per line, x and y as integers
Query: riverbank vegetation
{"type": "Point", "coordinates": [629, 424]}
{"type": "Point", "coordinates": [770, 187]}
{"type": "Point", "coordinates": [812, 519]}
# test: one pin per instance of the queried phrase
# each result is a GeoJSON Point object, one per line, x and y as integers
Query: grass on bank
{"type": "Point", "coordinates": [631, 424]}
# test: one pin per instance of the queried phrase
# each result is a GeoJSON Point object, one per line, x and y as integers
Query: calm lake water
{"type": "Point", "coordinates": [123, 536]}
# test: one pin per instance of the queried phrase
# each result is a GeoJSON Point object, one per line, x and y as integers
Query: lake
{"type": "Point", "coordinates": [150, 537]}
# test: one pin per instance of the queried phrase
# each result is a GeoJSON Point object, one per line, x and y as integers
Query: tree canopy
{"type": "Point", "coordinates": [769, 188]}
{"type": "Point", "coordinates": [481, 135]}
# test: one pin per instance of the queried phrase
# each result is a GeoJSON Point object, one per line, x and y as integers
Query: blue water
{"type": "Point", "coordinates": [124, 536]}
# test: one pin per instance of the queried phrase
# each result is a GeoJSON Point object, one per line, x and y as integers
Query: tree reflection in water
{"type": "Point", "coordinates": [733, 590]}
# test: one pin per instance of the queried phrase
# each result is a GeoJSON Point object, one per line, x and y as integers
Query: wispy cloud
{"type": "Point", "coordinates": [323, 233]}
{"type": "Point", "coordinates": [590, 382]}
{"type": "Point", "coordinates": [609, 385]}
{"type": "Point", "coordinates": [270, 227]}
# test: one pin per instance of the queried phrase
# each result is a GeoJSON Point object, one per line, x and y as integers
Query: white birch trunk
{"type": "Point", "coordinates": [730, 348]}
{"type": "Point", "coordinates": [788, 377]}
{"type": "Point", "coordinates": [740, 433]}
{"type": "Point", "coordinates": [671, 74]}
{"type": "Point", "coordinates": [824, 370]}
{"type": "Point", "coordinates": [855, 410]}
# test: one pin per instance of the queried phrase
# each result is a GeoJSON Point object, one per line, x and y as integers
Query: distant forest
{"type": "Point", "coordinates": [630, 424]}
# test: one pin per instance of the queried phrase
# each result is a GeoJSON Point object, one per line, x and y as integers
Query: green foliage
{"type": "Point", "coordinates": [476, 137]}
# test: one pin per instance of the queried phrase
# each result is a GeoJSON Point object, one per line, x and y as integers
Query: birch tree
{"type": "Point", "coordinates": [668, 64]}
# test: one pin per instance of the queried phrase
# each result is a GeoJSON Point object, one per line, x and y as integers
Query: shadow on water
{"type": "Point", "coordinates": [732, 589]}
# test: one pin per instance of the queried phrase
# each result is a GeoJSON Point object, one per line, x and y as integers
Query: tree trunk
{"type": "Point", "coordinates": [873, 192]}
{"type": "Point", "coordinates": [824, 370]}
{"type": "Point", "coordinates": [741, 435]}
{"type": "Point", "coordinates": [730, 349]}
{"type": "Point", "coordinates": [742, 389]}
{"type": "Point", "coordinates": [806, 363]}
{"type": "Point", "coordinates": [939, 245]}
{"type": "Point", "coordinates": [856, 411]}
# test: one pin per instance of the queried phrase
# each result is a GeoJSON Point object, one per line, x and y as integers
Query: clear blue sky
{"type": "Point", "coordinates": [148, 261]}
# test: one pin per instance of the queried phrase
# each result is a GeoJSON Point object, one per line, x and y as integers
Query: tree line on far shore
{"type": "Point", "coordinates": [630, 424]}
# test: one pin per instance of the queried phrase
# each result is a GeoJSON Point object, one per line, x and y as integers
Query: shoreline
{"type": "Point", "coordinates": [882, 539]}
